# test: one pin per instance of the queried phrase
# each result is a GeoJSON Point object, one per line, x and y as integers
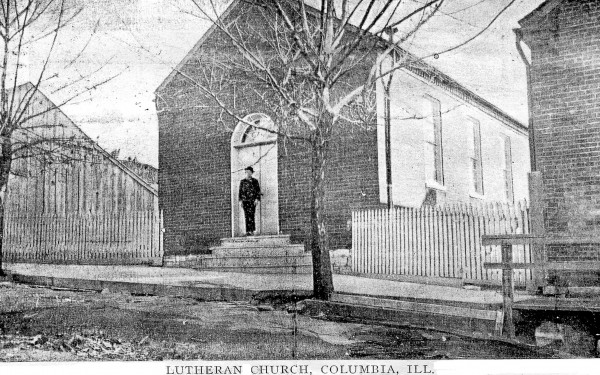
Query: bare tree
{"type": "Point", "coordinates": [315, 68]}
{"type": "Point", "coordinates": [25, 131]}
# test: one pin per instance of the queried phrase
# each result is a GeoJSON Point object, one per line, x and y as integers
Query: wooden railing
{"type": "Point", "coordinates": [539, 264]}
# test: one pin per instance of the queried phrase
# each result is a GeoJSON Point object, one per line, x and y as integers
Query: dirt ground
{"type": "Point", "coordinates": [40, 324]}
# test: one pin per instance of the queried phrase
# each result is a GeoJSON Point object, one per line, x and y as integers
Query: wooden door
{"type": "Point", "coordinates": [263, 159]}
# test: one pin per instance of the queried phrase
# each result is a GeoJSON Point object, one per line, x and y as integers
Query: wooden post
{"type": "Point", "coordinates": [508, 290]}
{"type": "Point", "coordinates": [536, 217]}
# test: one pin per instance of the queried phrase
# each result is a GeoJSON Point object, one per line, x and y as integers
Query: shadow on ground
{"type": "Point", "coordinates": [39, 324]}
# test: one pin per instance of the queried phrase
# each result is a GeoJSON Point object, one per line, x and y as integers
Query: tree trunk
{"type": "Point", "coordinates": [322, 276]}
{"type": "Point", "coordinates": [5, 166]}
{"type": "Point", "coordinates": [2, 273]}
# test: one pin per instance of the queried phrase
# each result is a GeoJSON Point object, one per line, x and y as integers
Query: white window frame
{"type": "Point", "coordinates": [476, 159]}
{"type": "Point", "coordinates": [507, 170]}
{"type": "Point", "coordinates": [434, 116]}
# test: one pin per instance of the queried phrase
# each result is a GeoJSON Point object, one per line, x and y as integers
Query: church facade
{"type": "Point", "coordinates": [448, 145]}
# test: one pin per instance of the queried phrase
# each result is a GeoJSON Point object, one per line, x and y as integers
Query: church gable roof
{"type": "Point", "coordinates": [419, 67]}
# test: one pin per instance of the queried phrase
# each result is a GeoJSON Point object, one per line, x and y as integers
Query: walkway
{"type": "Point", "coordinates": [251, 283]}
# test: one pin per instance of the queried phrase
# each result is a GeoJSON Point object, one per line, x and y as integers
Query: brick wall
{"type": "Point", "coordinates": [565, 77]}
{"type": "Point", "coordinates": [195, 170]}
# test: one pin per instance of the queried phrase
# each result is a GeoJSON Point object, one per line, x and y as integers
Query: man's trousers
{"type": "Point", "coordinates": [249, 210]}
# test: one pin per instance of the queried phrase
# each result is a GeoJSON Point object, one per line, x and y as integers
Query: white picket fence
{"type": "Point", "coordinates": [88, 238]}
{"type": "Point", "coordinates": [437, 242]}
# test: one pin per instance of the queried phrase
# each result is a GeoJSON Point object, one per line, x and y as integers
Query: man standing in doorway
{"type": "Point", "coordinates": [249, 197]}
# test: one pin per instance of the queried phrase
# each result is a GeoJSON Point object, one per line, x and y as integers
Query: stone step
{"type": "Point", "coordinates": [304, 269]}
{"type": "Point", "coordinates": [184, 261]}
{"type": "Point", "coordinates": [276, 239]}
{"type": "Point", "coordinates": [218, 262]}
{"type": "Point", "coordinates": [257, 250]}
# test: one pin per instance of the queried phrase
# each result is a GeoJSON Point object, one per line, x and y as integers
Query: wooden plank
{"type": "Point", "coordinates": [380, 244]}
{"type": "Point", "coordinates": [399, 249]}
{"type": "Point", "coordinates": [363, 218]}
{"type": "Point", "coordinates": [103, 224]}
{"type": "Point", "coordinates": [442, 243]}
{"type": "Point", "coordinates": [144, 235]}
{"type": "Point", "coordinates": [538, 251]}
{"type": "Point", "coordinates": [421, 241]}
{"type": "Point", "coordinates": [385, 241]}
{"type": "Point", "coordinates": [417, 241]}
{"type": "Point", "coordinates": [374, 242]}
{"type": "Point", "coordinates": [573, 266]}
{"type": "Point", "coordinates": [428, 242]}
{"type": "Point", "coordinates": [360, 240]}
{"type": "Point", "coordinates": [508, 290]}
{"type": "Point", "coordinates": [393, 245]}
{"type": "Point", "coordinates": [520, 239]}
{"type": "Point", "coordinates": [354, 248]}
{"type": "Point", "coordinates": [462, 247]}
{"type": "Point", "coordinates": [512, 266]}
{"type": "Point", "coordinates": [440, 309]}
{"type": "Point", "coordinates": [511, 239]}
{"type": "Point", "coordinates": [471, 250]}
{"type": "Point", "coordinates": [435, 271]}
{"type": "Point", "coordinates": [363, 241]}
{"type": "Point", "coordinates": [453, 245]}
{"type": "Point", "coordinates": [356, 238]}
{"type": "Point", "coordinates": [403, 241]}
{"type": "Point", "coordinates": [368, 241]}
{"type": "Point", "coordinates": [390, 240]}
{"type": "Point", "coordinates": [414, 229]}
{"type": "Point", "coordinates": [411, 242]}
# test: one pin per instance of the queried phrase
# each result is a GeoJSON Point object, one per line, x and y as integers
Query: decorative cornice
{"type": "Point", "coordinates": [440, 79]}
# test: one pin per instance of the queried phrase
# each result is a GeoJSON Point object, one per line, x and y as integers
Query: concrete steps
{"type": "Point", "coordinates": [254, 261]}
{"type": "Point", "coordinates": [258, 251]}
{"type": "Point", "coordinates": [270, 269]}
{"type": "Point", "coordinates": [256, 254]}
{"type": "Point", "coordinates": [268, 240]}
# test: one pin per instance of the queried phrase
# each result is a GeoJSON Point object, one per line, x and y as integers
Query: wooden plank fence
{"type": "Point", "coordinates": [83, 238]}
{"type": "Point", "coordinates": [438, 242]}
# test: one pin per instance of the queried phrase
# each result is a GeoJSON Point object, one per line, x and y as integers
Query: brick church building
{"type": "Point", "coordinates": [448, 145]}
{"type": "Point", "coordinates": [563, 61]}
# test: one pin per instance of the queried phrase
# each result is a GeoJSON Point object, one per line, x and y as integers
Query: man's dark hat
{"type": "Point", "coordinates": [249, 169]}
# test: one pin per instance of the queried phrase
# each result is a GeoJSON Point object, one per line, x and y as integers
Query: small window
{"type": "Point", "coordinates": [254, 128]}
{"type": "Point", "coordinates": [433, 142]}
{"type": "Point", "coordinates": [251, 133]}
{"type": "Point", "coordinates": [476, 158]}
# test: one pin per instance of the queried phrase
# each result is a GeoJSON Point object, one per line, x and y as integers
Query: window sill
{"type": "Point", "coordinates": [477, 195]}
{"type": "Point", "coordinates": [435, 185]}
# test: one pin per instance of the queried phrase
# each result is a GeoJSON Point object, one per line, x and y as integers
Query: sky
{"type": "Point", "coordinates": [139, 42]}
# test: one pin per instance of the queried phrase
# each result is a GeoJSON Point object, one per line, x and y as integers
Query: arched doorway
{"type": "Point", "coordinates": [252, 144]}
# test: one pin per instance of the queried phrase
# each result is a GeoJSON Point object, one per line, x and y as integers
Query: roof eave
{"type": "Point", "coordinates": [533, 18]}
{"type": "Point", "coordinates": [194, 49]}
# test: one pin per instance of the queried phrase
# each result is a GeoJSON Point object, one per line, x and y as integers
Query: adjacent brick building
{"type": "Point", "coordinates": [564, 87]}
{"type": "Point", "coordinates": [448, 145]}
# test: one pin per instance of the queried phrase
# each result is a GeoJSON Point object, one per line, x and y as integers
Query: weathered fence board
{"type": "Point", "coordinates": [438, 241]}
{"type": "Point", "coordinates": [86, 238]}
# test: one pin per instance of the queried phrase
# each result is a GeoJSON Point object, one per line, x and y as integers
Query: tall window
{"type": "Point", "coordinates": [433, 142]}
{"type": "Point", "coordinates": [476, 162]}
{"type": "Point", "coordinates": [507, 168]}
